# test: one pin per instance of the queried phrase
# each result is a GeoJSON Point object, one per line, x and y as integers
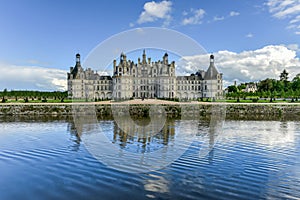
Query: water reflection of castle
{"type": "Point", "coordinates": [135, 138]}
{"type": "Point", "coordinates": [124, 137]}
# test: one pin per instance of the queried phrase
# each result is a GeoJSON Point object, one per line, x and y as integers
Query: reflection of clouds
{"type": "Point", "coordinates": [270, 133]}
{"type": "Point", "coordinates": [156, 184]}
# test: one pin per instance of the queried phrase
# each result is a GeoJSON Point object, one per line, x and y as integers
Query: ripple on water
{"type": "Point", "coordinates": [47, 160]}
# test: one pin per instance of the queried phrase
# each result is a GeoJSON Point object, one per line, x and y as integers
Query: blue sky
{"type": "Point", "coordinates": [39, 39]}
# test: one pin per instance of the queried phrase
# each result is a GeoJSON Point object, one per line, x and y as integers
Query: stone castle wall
{"type": "Point", "coordinates": [247, 111]}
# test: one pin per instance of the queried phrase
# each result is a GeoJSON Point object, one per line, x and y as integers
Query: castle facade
{"type": "Point", "coordinates": [144, 79]}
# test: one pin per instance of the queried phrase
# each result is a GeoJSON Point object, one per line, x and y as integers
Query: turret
{"type": "Point", "coordinates": [165, 59]}
{"type": "Point", "coordinates": [121, 57]}
{"type": "Point", "coordinates": [212, 59]}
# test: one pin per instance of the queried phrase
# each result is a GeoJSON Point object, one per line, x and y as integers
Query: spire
{"type": "Point", "coordinates": [144, 57]}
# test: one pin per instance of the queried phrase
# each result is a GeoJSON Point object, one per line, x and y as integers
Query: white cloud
{"type": "Point", "coordinates": [234, 13]}
{"type": "Point", "coordinates": [216, 18]}
{"type": "Point", "coordinates": [295, 20]}
{"type": "Point", "coordinates": [32, 78]}
{"type": "Point", "coordinates": [249, 35]}
{"type": "Point", "coordinates": [156, 10]}
{"type": "Point", "coordinates": [286, 9]}
{"type": "Point", "coordinates": [253, 65]}
{"type": "Point", "coordinates": [193, 17]}
{"type": "Point", "coordinates": [294, 47]}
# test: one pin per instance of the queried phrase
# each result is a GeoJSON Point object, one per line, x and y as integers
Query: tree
{"type": "Point", "coordinates": [284, 75]}
{"type": "Point", "coordinates": [232, 88]}
{"type": "Point", "coordinates": [266, 85]}
{"type": "Point", "coordinates": [4, 92]}
{"type": "Point", "coordinates": [296, 83]}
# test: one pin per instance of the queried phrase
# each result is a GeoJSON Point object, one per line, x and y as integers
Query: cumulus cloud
{"type": "Point", "coordinates": [234, 13]}
{"type": "Point", "coordinates": [15, 77]}
{"type": "Point", "coordinates": [294, 47]}
{"type": "Point", "coordinates": [193, 17]}
{"type": "Point", "coordinates": [253, 65]}
{"type": "Point", "coordinates": [156, 10]}
{"type": "Point", "coordinates": [286, 9]}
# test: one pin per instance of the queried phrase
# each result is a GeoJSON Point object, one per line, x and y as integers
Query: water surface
{"type": "Point", "coordinates": [48, 159]}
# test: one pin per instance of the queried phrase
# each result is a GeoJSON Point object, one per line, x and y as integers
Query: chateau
{"type": "Point", "coordinates": [144, 79]}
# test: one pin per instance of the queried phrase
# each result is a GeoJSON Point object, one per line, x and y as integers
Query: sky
{"type": "Point", "coordinates": [251, 39]}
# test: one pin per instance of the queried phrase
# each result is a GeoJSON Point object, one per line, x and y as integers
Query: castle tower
{"type": "Point", "coordinates": [76, 69]}
{"type": "Point", "coordinates": [211, 72]}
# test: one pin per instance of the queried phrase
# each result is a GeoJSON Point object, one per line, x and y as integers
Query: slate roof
{"type": "Point", "coordinates": [212, 71]}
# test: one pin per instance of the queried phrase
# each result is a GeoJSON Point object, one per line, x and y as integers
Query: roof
{"type": "Point", "coordinates": [211, 72]}
{"type": "Point", "coordinates": [105, 78]}
{"type": "Point", "coordinates": [75, 69]}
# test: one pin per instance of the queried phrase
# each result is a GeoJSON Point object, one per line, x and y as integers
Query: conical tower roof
{"type": "Point", "coordinates": [77, 66]}
{"type": "Point", "coordinates": [212, 71]}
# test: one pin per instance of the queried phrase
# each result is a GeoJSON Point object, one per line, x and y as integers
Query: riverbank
{"type": "Point", "coordinates": [139, 108]}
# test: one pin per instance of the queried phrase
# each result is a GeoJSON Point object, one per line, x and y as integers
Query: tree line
{"type": "Point", "coordinates": [271, 89]}
{"type": "Point", "coordinates": [27, 95]}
